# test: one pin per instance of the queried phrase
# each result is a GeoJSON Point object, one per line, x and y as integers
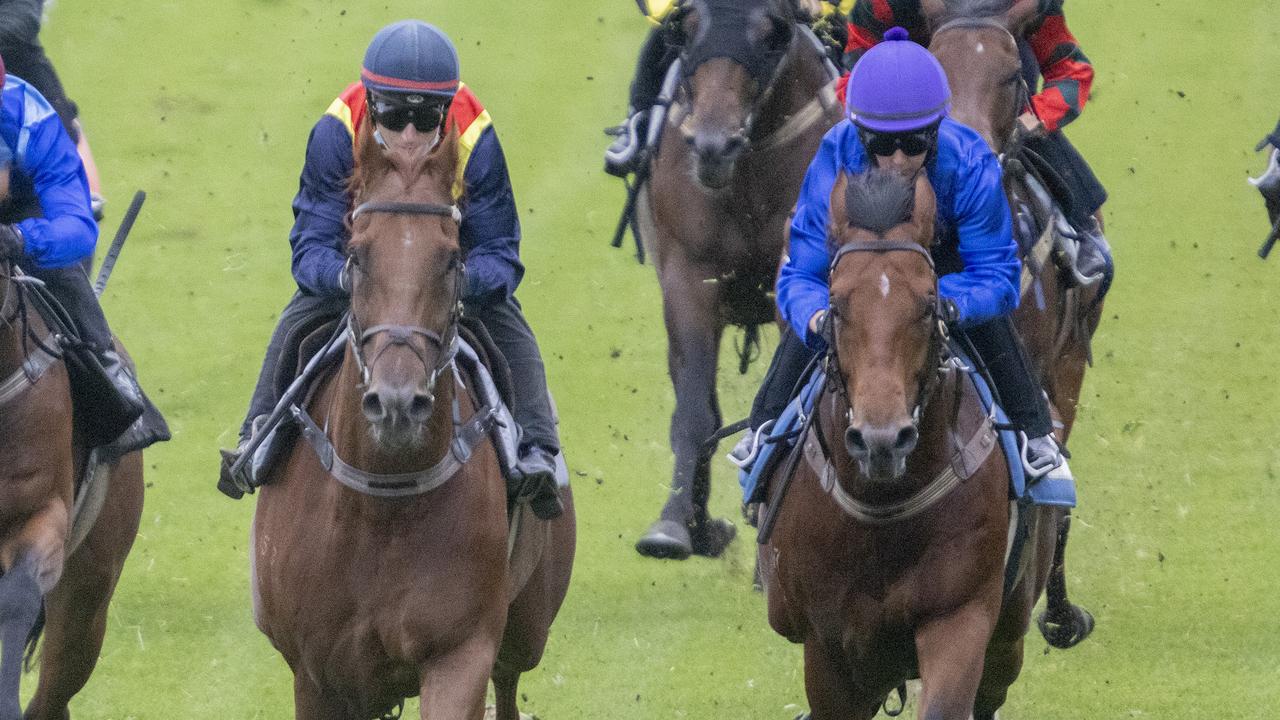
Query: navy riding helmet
{"type": "Point", "coordinates": [411, 57]}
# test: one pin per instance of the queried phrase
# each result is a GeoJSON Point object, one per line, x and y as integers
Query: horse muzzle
{"type": "Point", "coordinates": [398, 413]}
{"type": "Point", "coordinates": [881, 451]}
{"type": "Point", "coordinates": [716, 154]}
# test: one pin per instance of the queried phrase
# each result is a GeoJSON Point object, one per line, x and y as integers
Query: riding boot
{"type": "Point", "coordinates": [117, 402]}
{"type": "Point", "coordinates": [1001, 351]}
{"type": "Point", "coordinates": [535, 476]}
{"type": "Point", "coordinates": [626, 153]}
{"type": "Point", "coordinates": [301, 309]}
{"type": "Point", "coordinates": [783, 379]}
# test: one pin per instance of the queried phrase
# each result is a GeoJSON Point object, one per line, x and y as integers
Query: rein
{"type": "Point", "coordinates": [36, 362]}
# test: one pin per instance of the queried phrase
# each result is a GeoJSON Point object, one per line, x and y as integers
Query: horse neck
{"type": "Point", "coordinates": [801, 76]}
{"type": "Point", "coordinates": [349, 430]}
{"type": "Point", "coordinates": [938, 425]}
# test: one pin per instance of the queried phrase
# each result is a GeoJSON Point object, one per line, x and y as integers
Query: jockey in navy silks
{"type": "Point", "coordinates": [411, 91]}
{"type": "Point", "coordinates": [47, 228]}
{"type": "Point", "coordinates": [897, 104]}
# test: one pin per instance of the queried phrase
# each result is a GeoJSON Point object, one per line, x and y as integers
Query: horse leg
{"type": "Point", "coordinates": [833, 692]}
{"type": "Point", "coordinates": [314, 703]}
{"type": "Point", "coordinates": [951, 652]}
{"type": "Point", "coordinates": [692, 315]}
{"type": "Point", "coordinates": [76, 609]}
{"type": "Point", "coordinates": [31, 562]}
{"type": "Point", "coordinates": [453, 685]}
{"type": "Point", "coordinates": [534, 609]}
{"type": "Point", "coordinates": [1062, 624]}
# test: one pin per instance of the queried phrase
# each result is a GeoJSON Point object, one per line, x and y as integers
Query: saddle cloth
{"type": "Point", "coordinates": [782, 436]}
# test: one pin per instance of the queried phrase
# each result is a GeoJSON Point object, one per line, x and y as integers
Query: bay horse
{"type": "Point", "coordinates": [887, 554]}
{"type": "Point", "coordinates": [976, 43]}
{"type": "Point", "coordinates": [752, 99]}
{"type": "Point", "coordinates": [381, 572]}
{"type": "Point", "coordinates": [59, 565]}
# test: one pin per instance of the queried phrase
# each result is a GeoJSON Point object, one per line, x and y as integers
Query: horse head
{"type": "Point", "coordinates": [884, 333]}
{"type": "Point", "coordinates": [732, 53]}
{"type": "Point", "coordinates": [975, 41]}
{"type": "Point", "coordinates": [406, 274]}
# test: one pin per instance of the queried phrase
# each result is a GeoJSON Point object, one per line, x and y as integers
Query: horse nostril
{"type": "Point", "coordinates": [906, 442]}
{"type": "Point", "coordinates": [420, 407]}
{"type": "Point", "coordinates": [372, 407]}
{"type": "Point", "coordinates": [855, 443]}
{"type": "Point", "coordinates": [734, 145]}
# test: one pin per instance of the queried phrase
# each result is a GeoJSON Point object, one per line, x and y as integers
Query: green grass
{"type": "Point", "coordinates": [207, 106]}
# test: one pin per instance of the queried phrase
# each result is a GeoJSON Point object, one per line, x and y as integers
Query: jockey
{"type": "Point", "coordinates": [1050, 51]}
{"type": "Point", "coordinates": [47, 228]}
{"type": "Point", "coordinates": [410, 76]}
{"type": "Point", "coordinates": [20, 23]}
{"type": "Point", "coordinates": [625, 154]}
{"type": "Point", "coordinates": [897, 102]}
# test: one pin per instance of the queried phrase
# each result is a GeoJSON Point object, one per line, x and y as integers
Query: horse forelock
{"type": "Point", "coordinates": [424, 174]}
{"type": "Point", "coordinates": [976, 8]}
{"type": "Point", "coordinates": [879, 200]}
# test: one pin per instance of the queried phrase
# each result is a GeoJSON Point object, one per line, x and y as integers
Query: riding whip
{"type": "Point", "coordinates": [122, 234]}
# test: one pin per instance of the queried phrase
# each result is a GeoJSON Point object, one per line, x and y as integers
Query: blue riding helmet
{"type": "Point", "coordinates": [411, 57]}
{"type": "Point", "coordinates": [897, 87]}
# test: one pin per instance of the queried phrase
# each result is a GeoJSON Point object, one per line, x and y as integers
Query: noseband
{"type": "Point", "coordinates": [446, 343]}
{"type": "Point", "coordinates": [937, 341]}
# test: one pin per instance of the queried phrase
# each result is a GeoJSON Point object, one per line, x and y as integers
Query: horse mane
{"type": "Point", "coordinates": [879, 200]}
{"type": "Point", "coordinates": [373, 162]}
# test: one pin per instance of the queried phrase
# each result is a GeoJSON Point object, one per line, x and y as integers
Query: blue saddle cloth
{"type": "Point", "coordinates": [782, 436]}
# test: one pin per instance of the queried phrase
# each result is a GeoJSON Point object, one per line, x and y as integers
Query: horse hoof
{"type": "Point", "coordinates": [1066, 632]}
{"type": "Point", "coordinates": [712, 537]}
{"type": "Point", "coordinates": [667, 540]}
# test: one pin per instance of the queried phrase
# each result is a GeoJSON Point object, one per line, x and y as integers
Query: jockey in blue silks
{"type": "Point", "coordinates": [897, 104]}
{"type": "Point", "coordinates": [47, 228]}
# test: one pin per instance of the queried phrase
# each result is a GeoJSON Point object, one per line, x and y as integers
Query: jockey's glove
{"type": "Point", "coordinates": [11, 245]}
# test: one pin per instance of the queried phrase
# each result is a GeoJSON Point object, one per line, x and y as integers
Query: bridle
{"type": "Point", "coordinates": [402, 335]}
{"type": "Point", "coordinates": [937, 342]}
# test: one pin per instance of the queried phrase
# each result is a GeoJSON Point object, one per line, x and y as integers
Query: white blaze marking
{"type": "Point", "coordinates": [884, 285]}
{"type": "Point", "coordinates": [981, 48]}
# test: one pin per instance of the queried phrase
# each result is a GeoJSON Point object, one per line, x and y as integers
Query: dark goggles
{"type": "Point", "coordinates": [886, 144]}
{"type": "Point", "coordinates": [426, 115]}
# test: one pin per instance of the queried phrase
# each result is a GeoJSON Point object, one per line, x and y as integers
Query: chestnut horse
{"type": "Point", "coordinates": [753, 97]}
{"type": "Point", "coordinates": [381, 569]}
{"type": "Point", "coordinates": [71, 576]}
{"type": "Point", "coordinates": [975, 41]}
{"type": "Point", "coordinates": [887, 556]}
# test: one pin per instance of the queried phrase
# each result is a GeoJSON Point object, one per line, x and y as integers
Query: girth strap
{"type": "Point", "coordinates": [466, 436]}
{"type": "Point", "coordinates": [962, 466]}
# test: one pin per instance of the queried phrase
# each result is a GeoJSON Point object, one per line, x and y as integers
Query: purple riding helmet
{"type": "Point", "coordinates": [897, 87]}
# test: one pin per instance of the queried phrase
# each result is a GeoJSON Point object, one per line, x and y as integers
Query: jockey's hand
{"type": "Point", "coordinates": [1030, 126]}
{"type": "Point", "coordinates": [820, 324]}
{"type": "Point", "coordinates": [11, 245]}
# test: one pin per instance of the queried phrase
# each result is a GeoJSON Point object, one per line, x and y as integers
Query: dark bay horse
{"type": "Point", "coordinates": [753, 99]}
{"type": "Point", "coordinates": [975, 41]}
{"type": "Point", "coordinates": [383, 572]}
{"type": "Point", "coordinates": [44, 565]}
{"type": "Point", "coordinates": [887, 559]}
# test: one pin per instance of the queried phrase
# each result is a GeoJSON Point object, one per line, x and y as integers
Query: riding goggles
{"type": "Point", "coordinates": [886, 144]}
{"type": "Point", "coordinates": [426, 115]}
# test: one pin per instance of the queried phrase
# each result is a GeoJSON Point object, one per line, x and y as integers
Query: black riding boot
{"type": "Point", "coordinates": [118, 402]}
{"type": "Point", "coordinates": [780, 384]}
{"type": "Point", "coordinates": [539, 442]}
{"type": "Point", "coordinates": [1080, 196]}
{"type": "Point", "coordinates": [301, 309]}
{"type": "Point", "coordinates": [625, 154]}
{"type": "Point", "coordinates": [1021, 396]}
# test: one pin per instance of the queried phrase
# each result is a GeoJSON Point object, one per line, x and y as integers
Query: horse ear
{"type": "Point", "coordinates": [370, 159]}
{"type": "Point", "coordinates": [933, 10]}
{"type": "Point", "coordinates": [444, 161]}
{"type": "Point", "coordinates": [807, 10]}
{"type": "Point", "coordinates": [838, 216]}
{"type": "Point", "coordinates": [925, 210]}
{"type": "Point", "coordinates": [1021, 16]}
